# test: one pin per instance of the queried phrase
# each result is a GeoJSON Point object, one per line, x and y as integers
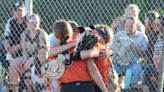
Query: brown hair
{"type": "Point", "coordinates": [161, 18]}
{"type": "Point", "coordinates": [108, 31]}
{"type": "Point", "coordinates": [63, 30]}
{"type": "Point", "coordinates": [151, 16]}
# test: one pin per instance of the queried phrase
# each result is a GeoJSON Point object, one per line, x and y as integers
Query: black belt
{"type": "Point", "coordinates": [76, 83]}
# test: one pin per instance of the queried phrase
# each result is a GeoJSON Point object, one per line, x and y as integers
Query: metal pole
{"type": "Point", "coordinates": [161, 73]}
{"type": "Point", "coordinates": [29, 6]}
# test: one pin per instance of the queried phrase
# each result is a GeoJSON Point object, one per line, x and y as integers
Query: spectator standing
{"type": "Point", "coordinates": [133, 68]}
{"type": "Point", "coordinates": [31, 40]}
{"type": "Point", "coordinates": [151, 73]}
{"type": "Point", "coordinates": [131, 10]}
{"type": "Point", "coordinates": [151, 34]}
{"type": "Point", "coordinates": [15, 26]}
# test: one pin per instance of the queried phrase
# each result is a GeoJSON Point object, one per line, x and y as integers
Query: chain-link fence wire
{"type": "Point", "coordinates": [84, 12]}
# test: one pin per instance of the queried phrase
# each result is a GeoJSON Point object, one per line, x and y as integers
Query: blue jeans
{"type": "Point", "coordinates": [136, 69]}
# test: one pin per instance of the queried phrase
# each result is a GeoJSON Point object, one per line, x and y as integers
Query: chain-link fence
{"type": "Point", "coordinates": [86, 12]}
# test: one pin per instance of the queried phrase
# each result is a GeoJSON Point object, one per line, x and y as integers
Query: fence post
{"type": "Point", "coordinates": [29, 6]}
{"type": "Point", "coordinates": [161, 73]}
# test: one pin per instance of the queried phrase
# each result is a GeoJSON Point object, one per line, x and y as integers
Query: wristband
{"type": "Point", "coordinates": [75, 56]}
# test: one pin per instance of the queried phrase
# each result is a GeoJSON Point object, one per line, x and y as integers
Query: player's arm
{"type": "Point", "coordinates": [95, 74]}
{"type": "Point", "coordinates": [59, 49]}
{"type": "Point", "coordinates": [84, 54]}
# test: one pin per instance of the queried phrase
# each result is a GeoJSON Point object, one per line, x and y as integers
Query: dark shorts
{"type": "Point", "coordinates": [77, 87]}
{"type": "Point", "coordinates": [96, 88]}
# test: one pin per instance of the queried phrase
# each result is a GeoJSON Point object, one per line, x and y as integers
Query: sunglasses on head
{"type": "Point", "coordinates": [130, 17]}
{"type": "Point", "coordinates": [102, 32]}
{"type": "Point", "coordinates": [32, 22]}
{"type": "Point", "coordinates": [27, 77]}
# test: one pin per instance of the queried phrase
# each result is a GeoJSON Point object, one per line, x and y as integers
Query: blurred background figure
{"type": "Point", "coordinates": [131, 10]}
{"type": "Point", "coordinates": [25, 83]}
{"type": "Point", "coordinates": [149, 67]}
{"type": "Point", "coordinates": [151, 33]}
{"type": "Point", "coordinates": [15, 26]}
{"type": "Point", "coordinates": [151, 73]}
{"type": "Point", "coordinates": [132, 69]}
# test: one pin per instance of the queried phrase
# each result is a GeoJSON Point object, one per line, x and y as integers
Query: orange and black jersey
{"type": "Point", "coordinates": [103, 66]}
{"type": "Point", "coordinates": [76, 72]}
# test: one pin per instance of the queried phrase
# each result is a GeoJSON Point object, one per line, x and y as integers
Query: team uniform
{"type": "Point", "coordinates": [103, 67]}
{"type": "Point", "coordinates": [76, 77]}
